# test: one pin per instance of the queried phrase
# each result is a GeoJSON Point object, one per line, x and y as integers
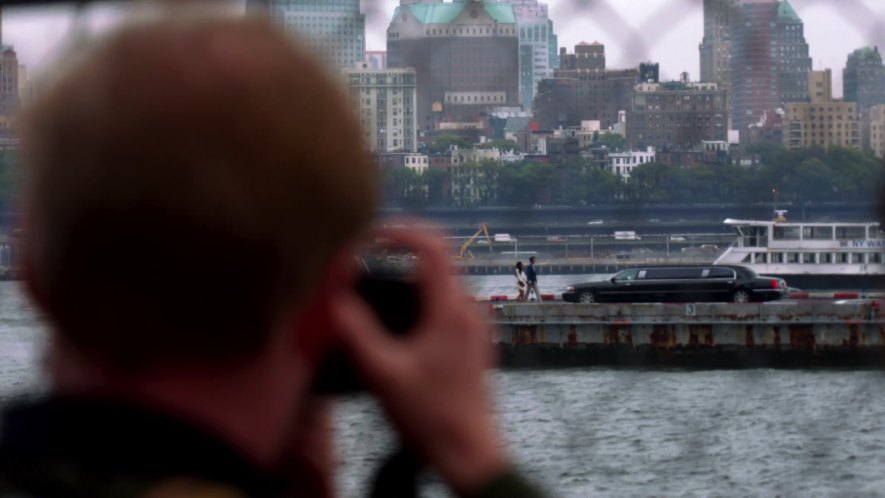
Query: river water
{"type": "Point", "coordinates": [609, 432]}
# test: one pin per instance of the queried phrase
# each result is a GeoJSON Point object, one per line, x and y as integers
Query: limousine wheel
{"type": "Point", "coordinates": [587, 297]}
{"type": "Point", "coordinates": [741, 296]}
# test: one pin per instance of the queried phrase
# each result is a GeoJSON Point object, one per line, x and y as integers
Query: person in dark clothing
{"type": "Point", "coordinates": [193, 200]}
{"type": "Point", "coordinates": [531, 276]}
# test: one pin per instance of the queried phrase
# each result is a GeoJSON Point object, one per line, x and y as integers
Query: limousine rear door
{"type": "Point", "coordinates": [719, 283]}
{"type": "Point", "coordinates": [674, 284]}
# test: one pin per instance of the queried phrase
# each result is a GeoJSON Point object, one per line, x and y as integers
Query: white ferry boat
{"type": "Point", "coordinates": [811, 255]}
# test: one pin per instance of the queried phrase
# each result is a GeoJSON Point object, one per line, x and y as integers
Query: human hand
{"type": "Point", "coordinates": [431, 382]}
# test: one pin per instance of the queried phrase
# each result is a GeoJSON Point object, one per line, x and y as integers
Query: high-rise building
{"type": "Point", "coordinates": [715, 49]}
{"type": "Point", "coordinates": [769, 60]}
{"type": "Point", "coordinates": [584, 89]}
{"type": "Point", "coordinates": [875, 127]}
{"type": "Point", "coordinates": [9, 77]}
{"type": "Point", "coordinates": [822, 122]}
{"type": "Point", "coordinates": [864, 78]}
{"type": "Point", "coordinates": [384, 100]}
{"type": "Point", "coordinates": [537, 47]}
{"type": "Point", "coordinates": [587, 58]}
{"type": "Point", "coordinates": [676, 116]}
{"type": "Point", "coordinates": [793, 59]}
{"type": "Point", "coordinates": [465, 55]}
{"type": "Point", "coordinates": [335, 29]}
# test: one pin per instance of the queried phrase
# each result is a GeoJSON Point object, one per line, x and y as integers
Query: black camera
{"type": "Point", "coordinates": [394, 297]}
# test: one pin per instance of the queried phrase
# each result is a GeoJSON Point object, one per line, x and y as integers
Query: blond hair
{"type": "Point", "coordinates": [186, 183]}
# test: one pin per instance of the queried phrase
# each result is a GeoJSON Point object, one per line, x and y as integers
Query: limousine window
{"type": "Point", "coordinates": [721, 273]}
{"type": "Point", "coordinates": [673, 273]}
{"type": "Point", "coordinates": [627, 274]}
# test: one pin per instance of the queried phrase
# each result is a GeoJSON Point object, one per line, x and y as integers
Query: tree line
{"type": "Point", "coordinates": [808, 175]}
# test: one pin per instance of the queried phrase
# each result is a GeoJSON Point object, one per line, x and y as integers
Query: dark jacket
{"type": "Point", "coordinates": [530, 274]}
{"type": "Point", "coordinates": [94, 448]}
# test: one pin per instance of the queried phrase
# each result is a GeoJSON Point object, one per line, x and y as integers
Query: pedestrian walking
{"type": "Point", "coordinates": [520, 281]}
{"type": "Point", "coordinates": [532, 281]}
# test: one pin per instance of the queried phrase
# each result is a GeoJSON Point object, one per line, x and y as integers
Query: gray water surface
{"type": "Point", "coordinates": [605, 432]}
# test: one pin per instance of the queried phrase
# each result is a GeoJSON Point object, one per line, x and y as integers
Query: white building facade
{"type": "Point", "coordinates": [385, 102]}
{"type": "Point", "coordinates": [417, 162]}
{"type": "Point", "coordinates": [475, 156]}
{"type": "Point", "coordinates": [623, 163]}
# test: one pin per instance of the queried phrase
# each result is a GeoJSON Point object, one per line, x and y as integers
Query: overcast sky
{"type": "Point", "coordinates": [665, 31]}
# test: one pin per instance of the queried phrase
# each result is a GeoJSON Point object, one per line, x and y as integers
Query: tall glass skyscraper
{"type": "Point", "coordinates": [715, 48]}
{"type": "Point", "coordinates": [770, 60]}
{"type": "Point", "coordinates": [864, 78]}
{"type": "Point", "coordinates": [538, 47]}
{"type": "Point", "coordinates": [336, 29]}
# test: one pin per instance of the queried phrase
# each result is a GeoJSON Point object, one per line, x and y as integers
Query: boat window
{"type": "Point", "coordinates": [851, 232]}
{"type": "Point", "coordinates": [759, 257]}
{"type": "Point", "coordinates": [792, 257]}
{"type": "Point", "coordinates": [817, 233]}
{"type": "Point", "coordinates": [826, 257]}
{"type": "Point", "coordinates": [808, 257]}
{"type": "Point", "coordinates": [777, 257]}
{"type": "Point", "coordinates": [856, 257]}
{"type": "Point", "coordinates": [747, 259]}
{"type": "Point", "coordinates": [877, 257]}
{"type": "Point", "coordinates": [786, 233]}
{"type": "Point", "coordinates": [841, 257]}
{"type": "Point", "coordinates": [721, 273]}
{"type": "Point", "coordinates": [754, 236]}
{"type": "Point", "coordinates": [673, 273]}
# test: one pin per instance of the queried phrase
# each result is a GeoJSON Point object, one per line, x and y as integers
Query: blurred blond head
{"type": "Point", "coordinates": [187, 181]}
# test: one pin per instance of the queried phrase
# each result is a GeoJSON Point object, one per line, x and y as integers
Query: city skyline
{"type": "Point", "coordinates": [670, 30]}
{"type": "Point", "coordinates": [832, 33]}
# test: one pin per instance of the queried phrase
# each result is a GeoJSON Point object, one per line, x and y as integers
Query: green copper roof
{"type": "Point", "coordinates": [866, 53]}
{"type": "Point", "coordinates": [501, 12]}
{"type": "Point", "coordinates": [436, 13]}
{"type": "Point", "coordinates": [785, 12]}
{"type": "Point", "coordinates": [445, 13]}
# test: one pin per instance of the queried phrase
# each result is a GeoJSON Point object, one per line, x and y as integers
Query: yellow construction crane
{"type": "Point", "coordinates": [465, 247]}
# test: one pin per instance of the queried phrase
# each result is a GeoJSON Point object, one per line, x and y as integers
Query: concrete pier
{"type": "Point", "coordinates": [787, 334]}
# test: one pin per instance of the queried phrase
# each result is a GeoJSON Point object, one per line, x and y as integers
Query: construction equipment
{"type": "Point", "coordinates": [465, 247]}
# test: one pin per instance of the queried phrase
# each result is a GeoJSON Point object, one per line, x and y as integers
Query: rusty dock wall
{"type": "Point", "coordinates": [704, 335]}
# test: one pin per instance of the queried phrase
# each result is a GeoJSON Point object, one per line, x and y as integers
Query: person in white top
{"type": "Point", "coordinates": [520, 281]}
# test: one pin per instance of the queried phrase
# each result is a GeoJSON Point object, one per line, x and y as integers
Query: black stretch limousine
{"type": "Point", "coordinates": [680, 284]}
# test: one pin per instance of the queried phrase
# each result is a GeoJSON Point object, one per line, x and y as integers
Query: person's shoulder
{"type": "Point", "coordinates": [81, 484]}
